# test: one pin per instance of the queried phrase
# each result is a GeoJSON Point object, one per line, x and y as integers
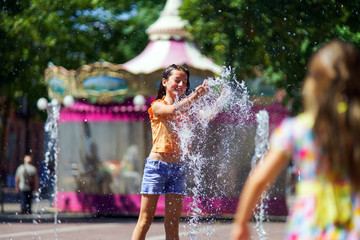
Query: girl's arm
{"type": "Point", "coordinates": [211, 115]}
{"type": "Point", "coordinates": [263, 174]}
{"type": "Point", "coordinates": [160, 108]}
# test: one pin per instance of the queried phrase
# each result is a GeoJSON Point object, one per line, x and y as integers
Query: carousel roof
{"type": "Point", "coordinates": [161, 53]}
{"type": "Point", "coordinates": [104, 82]}
{"type": "Point", "coordinates": [169, 25]}
{"type": "Point", "coordinates": [169, 44]}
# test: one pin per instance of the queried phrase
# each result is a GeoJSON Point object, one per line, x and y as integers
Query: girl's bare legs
{"type": "Point", "coordinates": [147, 212]}
{"type": "Point", "coordinates": [173, 209]}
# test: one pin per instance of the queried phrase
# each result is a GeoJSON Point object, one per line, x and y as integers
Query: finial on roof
{"type": "Point", "coordinates": [169, 25]}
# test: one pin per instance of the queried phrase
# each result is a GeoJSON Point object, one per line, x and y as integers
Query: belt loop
{"type": "Point", "coordinates": [150, 161]}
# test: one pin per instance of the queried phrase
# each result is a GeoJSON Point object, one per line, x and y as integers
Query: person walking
{"type": "Point", "coordinates": [26, 180]}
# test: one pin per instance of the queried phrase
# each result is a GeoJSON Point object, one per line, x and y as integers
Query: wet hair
{"type": "Point", "coordinates": [337, 124]}
{"type": "Point", "coordinates": [167, 73]}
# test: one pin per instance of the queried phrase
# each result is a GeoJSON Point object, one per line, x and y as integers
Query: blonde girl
{"type": "Point", "coordinates": [324, 143]}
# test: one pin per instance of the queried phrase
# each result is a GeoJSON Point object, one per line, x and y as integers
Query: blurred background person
{"type": "Point", "coordinates": [26, 180]}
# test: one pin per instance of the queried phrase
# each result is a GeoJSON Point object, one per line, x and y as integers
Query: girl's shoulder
{"type": "Point", "coordinates": [293, 127]}
{"type": "Point", "coordinates": [150, 110]}
{"type": "Point", "coordinates": [293, 131]}
{"type": "Point", "coordinates": [157, 101]}
{"type": "Point", "coordinates": [303, 120]}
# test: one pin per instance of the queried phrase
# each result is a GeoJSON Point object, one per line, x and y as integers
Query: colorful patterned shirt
{"type": "Point", "coordinates": [322, 210]}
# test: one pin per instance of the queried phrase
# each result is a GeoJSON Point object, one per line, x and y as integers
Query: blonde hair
{"type": "Point", "coordinates": [337, 124]}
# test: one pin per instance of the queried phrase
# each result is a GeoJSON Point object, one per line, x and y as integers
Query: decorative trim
{"type": "Point", "coordinates": [73, 81]}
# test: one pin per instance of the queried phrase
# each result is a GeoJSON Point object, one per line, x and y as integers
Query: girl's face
{"type": "Point", "coordinates": [175, 85]}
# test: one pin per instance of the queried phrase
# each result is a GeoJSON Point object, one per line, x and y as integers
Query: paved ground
{"type": "Point", "coordinates": [120, 229]}
{"type": "Point", "coordinates": [14, 226]}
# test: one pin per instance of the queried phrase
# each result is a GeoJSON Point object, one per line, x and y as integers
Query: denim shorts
{"type": "Point", "coordinates": [161, 177]}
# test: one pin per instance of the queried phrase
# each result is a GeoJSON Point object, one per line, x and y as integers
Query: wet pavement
{"type": "Point", "coordinates": [84, 226]}
{"type": "Point", "coordinates": [122, 229]}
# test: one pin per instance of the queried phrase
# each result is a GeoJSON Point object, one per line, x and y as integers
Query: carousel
{"type": "Point", "coordinates": [104, 134]}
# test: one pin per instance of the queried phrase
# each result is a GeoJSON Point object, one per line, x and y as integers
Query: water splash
{"type": "Point", "coordinates": [261, 137]}
{"type": "Point", "coordinates": [261, 147]}
{"type": "Point", "coordinates": [210, 135]}
{"type": "Point", "coordinates": [51, 127]}
{"type": "Point", "coordinates": [49, 164]}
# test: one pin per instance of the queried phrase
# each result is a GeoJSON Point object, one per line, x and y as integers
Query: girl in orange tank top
{"type": "Point", "coordinates": [164, 172]}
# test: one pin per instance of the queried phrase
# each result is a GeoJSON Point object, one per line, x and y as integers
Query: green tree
{"type": "Point", "coordinates": [276, 37]}
{"type": "Point", "coordinates": [68, 33]}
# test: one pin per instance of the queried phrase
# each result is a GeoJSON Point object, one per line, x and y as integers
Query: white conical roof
{"type": "Point", "coordinates": [169, 25]}
{"type": "Point", "coordinates": [169, 45]}
{"type": "Point", "coordinates": [161, 53]}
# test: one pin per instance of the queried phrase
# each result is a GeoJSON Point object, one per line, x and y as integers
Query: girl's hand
{"type": "Point", "coordinates": [240, 232]}
{"type": "Point", "coordinates": [202, 89]}
{"type": "Point", "coordinates": [185, 104]}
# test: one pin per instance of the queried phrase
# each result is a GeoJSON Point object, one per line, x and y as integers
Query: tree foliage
{"type": "Point", "coordinates": [36, 32]}
{"type": "Point", "coordinates": [273, 38]}
{"type": "Point", "coordinates": [67, 33]}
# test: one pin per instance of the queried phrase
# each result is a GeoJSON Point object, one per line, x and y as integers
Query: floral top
{"type": "Point", "coordinates": [322, 210]}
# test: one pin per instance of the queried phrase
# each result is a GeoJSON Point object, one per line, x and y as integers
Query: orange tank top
{"type": "Point", "coordinates": [165, 139]}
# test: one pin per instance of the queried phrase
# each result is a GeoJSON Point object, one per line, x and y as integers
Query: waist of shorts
{"type": "Point", "coordinates": [162, 163]}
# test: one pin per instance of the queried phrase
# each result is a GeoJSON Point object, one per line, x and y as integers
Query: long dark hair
{"type": "Point", "coordinates": [167, 73]}
{"type": "Point", "coordinates": [337, 125]}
